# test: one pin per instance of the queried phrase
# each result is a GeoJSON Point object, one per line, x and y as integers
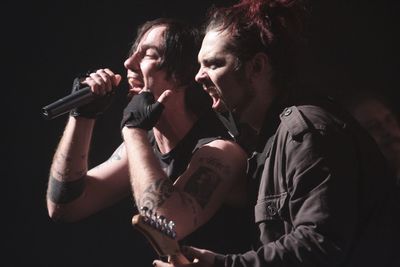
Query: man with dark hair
{"type": "Point", "coordinates": [315, 169]}
{"type": "Point", "coordinates": [376, 115]}
{"type": "Point", "coordinates": [177, 158]}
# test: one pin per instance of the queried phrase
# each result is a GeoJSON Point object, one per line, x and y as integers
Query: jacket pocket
{"type": "Point", "coordinates": [270, 207]}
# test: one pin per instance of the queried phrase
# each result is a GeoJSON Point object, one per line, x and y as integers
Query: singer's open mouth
{"type": "Point", "coordinates": [135, 85]}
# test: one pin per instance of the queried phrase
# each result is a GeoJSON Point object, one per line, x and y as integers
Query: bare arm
{"type": "Point", "coordinates": [197, 193]}
{"type": "Point", "coordinates": [73, 191]}
{"type": "Point", "coordinates": [69, 164]}
{"type": "Point", "coordinates": [98, 187]}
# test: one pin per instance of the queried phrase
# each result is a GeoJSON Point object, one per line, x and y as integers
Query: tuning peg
{"type": "Point", "coordinates": [171, 225]}
{"type": "Point", "coordinates": [161, 222]}
{"type": "Point", "coordinates": [171, 229]}
{"type": "Point", "coordinates": [143, 210]}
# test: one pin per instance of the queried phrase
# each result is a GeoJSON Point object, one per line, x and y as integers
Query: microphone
{"type": "Point", "coordinates": [63, 105]}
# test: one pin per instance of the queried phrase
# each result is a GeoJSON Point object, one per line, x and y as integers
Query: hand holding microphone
{"type": "Point", "coordinates": [89, 98]}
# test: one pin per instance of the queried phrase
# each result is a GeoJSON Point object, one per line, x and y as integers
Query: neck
{"type": "Point", "coordinates": [175, 122]}
{"type": "Point", "coordinates": [255, 113]}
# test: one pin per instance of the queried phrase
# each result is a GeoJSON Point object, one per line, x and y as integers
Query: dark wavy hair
{"type": "Point", "coordinates": [180, 47]}
{"type": "Point", "coordinates": [275, 27]}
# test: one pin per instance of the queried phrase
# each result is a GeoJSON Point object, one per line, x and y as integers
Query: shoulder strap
{"type": "Point", "coordinates": [294, 122]}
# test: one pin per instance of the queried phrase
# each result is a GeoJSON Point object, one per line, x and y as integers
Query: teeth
{"type": "Point", "coordinates": [135, 82]}
{"type": "Point", "coordinates": [210, 89]}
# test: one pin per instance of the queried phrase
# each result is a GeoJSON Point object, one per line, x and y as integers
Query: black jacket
{"type": "Point", "coordinates": [324, 197]}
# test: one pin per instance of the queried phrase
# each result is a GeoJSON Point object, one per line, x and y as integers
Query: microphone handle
{"type": "Point", "coordinates": [66, 104]}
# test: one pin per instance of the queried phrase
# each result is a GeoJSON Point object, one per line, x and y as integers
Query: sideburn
{"type": "Point", "coordinates": [242, 77]}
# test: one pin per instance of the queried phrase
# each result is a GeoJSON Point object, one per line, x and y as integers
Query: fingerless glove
{"type": "Point", "coordinates": [142, 112]}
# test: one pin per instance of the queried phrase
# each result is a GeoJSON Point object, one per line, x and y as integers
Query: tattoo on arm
{"type": "Point", "coordinates": [65, 173]}
{"type": "Point", "coordinates": [117, 154]}
{"type": "Point", "coordinates": [215, 163]}
{"type": "Point", "coordinates": [62, 166]}
{"type": "Point", "coordinates": [202, 184]}
{"type": "Point", "coordinates": [156, 194]}
{"type": "Point", "coordinates": [63, 157]}
{"type": "Point", "coordinates": [62, 192]}
{"type": "Point", "coordinates": [186, 199]}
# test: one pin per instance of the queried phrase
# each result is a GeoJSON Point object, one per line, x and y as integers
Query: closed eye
{"type": "Point", "coordinates": [213, 63]}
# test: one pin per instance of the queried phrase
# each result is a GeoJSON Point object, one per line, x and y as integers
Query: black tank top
{"type": "Point", "coordinates": [226, 230]}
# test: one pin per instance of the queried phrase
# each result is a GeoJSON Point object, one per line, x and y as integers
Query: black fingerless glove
{"type": "Point", "coordinates": [142, 112]}
{"type": "Point", "coordinates": [96, 107]}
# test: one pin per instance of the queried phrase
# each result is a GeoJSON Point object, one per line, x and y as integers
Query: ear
{"type": "Point", "coordinates": [258, 65]}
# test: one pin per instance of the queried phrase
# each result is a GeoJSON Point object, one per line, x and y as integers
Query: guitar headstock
{"type": "Point", "coordinates": [158, 230]}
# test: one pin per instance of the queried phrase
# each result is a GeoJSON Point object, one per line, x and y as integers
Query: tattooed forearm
{"type": "Point", "coordinates": [62, 166]}
{"type": "Point", "coordinates": [156, 194]}
{"type": "Point", "coordinates": [61, 157]}
{"type": "Point", "coordinates": [64, 174]}
{"type": "Point", "coordinates": [61, 174]}
{"type": "Point", "coordinates": [62, 192]}
{"type": "Point", "coordinates": [201, 184]}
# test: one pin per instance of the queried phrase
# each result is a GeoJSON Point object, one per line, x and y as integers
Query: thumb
{"type": "Point", "coordinates": [117, 79]}
{"type": "Point", "coordinates": [158, 263]}
{"type": "Point", "coordinates": [191, 252]}
{"type": "Point", "coordinates": [206, 257]}
{"type": "Point", "coordinates": [164, 96]}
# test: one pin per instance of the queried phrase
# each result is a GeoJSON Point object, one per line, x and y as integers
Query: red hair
{"type": "Point", "coordinates": [275, 27]}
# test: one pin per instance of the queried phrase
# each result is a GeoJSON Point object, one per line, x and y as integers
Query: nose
{"type": "Point", "coordinates": [200, 76]}
{"type": "Point", "coordinates": [131, 62]}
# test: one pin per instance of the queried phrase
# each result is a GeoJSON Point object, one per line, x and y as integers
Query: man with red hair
{"type": "Point", "coordinates": [318, 201]}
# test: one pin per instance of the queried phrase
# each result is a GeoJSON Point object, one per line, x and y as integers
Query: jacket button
{"type": "Point", "coordinates": [272, 210]}
{"type": "Point", "coordinates": [287, 111]}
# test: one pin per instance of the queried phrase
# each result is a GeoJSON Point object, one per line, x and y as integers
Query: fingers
{"type": "Point", "coordinates": [164, 96]}
{"type": "Point", "coordinates": [102, 81]}
{"type": "Point", "coordinates": [192, 252]}
{"type": "Point", "coordinates": [116, 78]}
{"type": "Point", "coordinates": [158, 263]}
{"type": "Point", "coordinates": [202, 256]}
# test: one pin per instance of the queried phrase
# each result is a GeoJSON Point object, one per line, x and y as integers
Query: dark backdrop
{"type": "Point", "coordinates": [46, 44]}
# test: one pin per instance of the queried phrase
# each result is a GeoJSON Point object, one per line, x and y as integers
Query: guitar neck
{"type": "Point", "coordinates": [161, 236]}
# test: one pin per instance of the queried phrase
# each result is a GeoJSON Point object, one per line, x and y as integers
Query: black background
{"type": "Point", "coordinates": [47, 43]}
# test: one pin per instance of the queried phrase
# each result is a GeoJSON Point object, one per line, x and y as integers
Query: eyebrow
{"type": "Point", "coordinates": [211, 59]}
{"type": "Point", "coordinates": [149, 46]}
{"type": "Point", "coordinates": [144, 47]}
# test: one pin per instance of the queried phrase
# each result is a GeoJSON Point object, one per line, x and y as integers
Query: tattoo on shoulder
{"type": "Point", "coordinates": [156, 194]}
{"type": "Point", "coordinates": [201, 184]}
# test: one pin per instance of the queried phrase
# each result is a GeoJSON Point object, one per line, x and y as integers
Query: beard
{"type": "Point", "coordinates": [246, 99]}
